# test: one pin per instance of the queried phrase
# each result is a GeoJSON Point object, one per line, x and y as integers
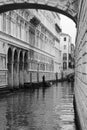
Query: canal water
{"type": "Point", "coordinates": [39, 109]}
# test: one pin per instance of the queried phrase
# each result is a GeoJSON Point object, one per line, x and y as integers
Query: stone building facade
{"type": "Point", "coordinates": [29, 42]}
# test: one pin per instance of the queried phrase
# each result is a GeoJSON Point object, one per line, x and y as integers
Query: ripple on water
{"type": "Point", "coordinates": [48, 109]}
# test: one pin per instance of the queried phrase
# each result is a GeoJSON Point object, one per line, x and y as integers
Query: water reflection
{"type": "Point", "coordinates": [40, 109]}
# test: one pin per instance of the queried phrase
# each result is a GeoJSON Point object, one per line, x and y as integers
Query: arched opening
{"type": "Point", "coordinates": [21, 70]}
{"type": "Point", "coordinates": [26, 67]}
{"type": "Point", "coordinates": [9, 67]}
{"type": "Point", "coordinates": [68, 8]}
{"type": "Point", "coordinates": [15, 70]}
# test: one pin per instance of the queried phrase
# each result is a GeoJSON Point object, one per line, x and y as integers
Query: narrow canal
{"type": "Point", "coordinates": [39, 109]}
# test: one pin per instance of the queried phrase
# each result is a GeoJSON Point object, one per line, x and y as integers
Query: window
{"type": "Point", "coordinates": [64, 38]}
{"type": "Point", "coordinates": [37, 38]}
{"type": "Point", "coordinates": [32, 36]}
{"type": "Point", "coordinates": [4, 22]}
{"type": "Point", "coordinates": [64, 56]}
{"type": "Point", "coordinates": [1, 21]}
{"type": "Point", "coordinates": [64, 65]}
{"type": "Point", "coordinates": [64, 47]}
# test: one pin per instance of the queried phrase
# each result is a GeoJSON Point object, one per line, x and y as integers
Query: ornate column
{"type": "Point", "coordinates": [17, 74]}
{"type": "Point", "coordinates": [21, 74]}
{"type": "Point", "coordinates": [37, 72]}
{"type": "Point", "coordinates": [12, 71]}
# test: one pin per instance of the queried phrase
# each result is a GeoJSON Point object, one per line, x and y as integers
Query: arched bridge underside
{"type": "Point", "coordinates": [66, 7]}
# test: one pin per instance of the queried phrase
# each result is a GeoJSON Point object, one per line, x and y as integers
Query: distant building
{"type": "Point", "coordinates": [65, 43]}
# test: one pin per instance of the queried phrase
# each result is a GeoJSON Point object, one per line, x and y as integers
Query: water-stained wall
{"type": "Point", "coordinates": [81, 64]}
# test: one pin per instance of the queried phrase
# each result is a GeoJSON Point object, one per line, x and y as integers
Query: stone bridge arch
{"type": "Point", "coordinates": [66, 7]}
